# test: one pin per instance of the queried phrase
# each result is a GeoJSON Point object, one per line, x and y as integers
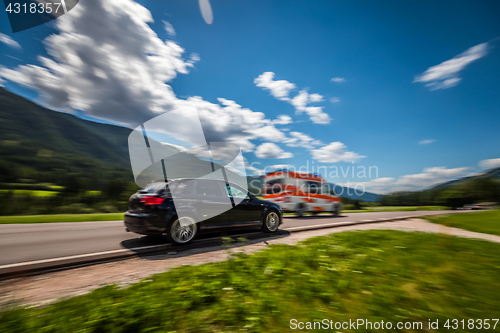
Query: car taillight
{"type": "Point", "coordinates": [152, 200]}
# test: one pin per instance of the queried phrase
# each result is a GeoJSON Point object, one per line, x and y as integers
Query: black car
{"type": "Point", "coordinates": [182, 208]}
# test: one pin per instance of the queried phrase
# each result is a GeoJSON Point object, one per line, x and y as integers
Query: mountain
{"type": "Point", "coordinates": [25, 122]}
{"type": "Point", "coordinates": [491, 174]}
{"type": "Point", "coordinates": [38, 145]}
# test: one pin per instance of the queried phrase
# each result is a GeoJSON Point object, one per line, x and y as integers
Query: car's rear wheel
{"type": "Point", "coordinates": [182, 230]}
{"type": "Point", "coordinates": [272, 221]}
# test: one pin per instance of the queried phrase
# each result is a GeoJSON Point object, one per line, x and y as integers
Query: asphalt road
{"type": "Point", "coordinates": [28, 242]}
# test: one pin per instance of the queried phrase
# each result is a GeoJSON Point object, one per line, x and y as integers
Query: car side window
{"type": "Point", "coordinates": [210, 188]}
{"type": "Point", "coordinates": [236, 192]}
{"type": "Point", "coordinates": [185, 188]}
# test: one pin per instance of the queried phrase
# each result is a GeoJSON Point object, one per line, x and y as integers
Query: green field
{"type": "Point", "coordinates": [61, 218]}
{"type": "Point", "coordinates": [372, 275]}
{"type": "Point", "coordinates": [487, 222]}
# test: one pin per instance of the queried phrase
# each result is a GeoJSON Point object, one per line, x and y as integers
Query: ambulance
{"type": "Point", "coordinates": [301, 192]}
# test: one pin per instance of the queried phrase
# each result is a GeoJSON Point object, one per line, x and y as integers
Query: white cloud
{"type": "Point", "coordinates": [7, 40]}
{"type": "Point", "coordinates": [334, 99]}
{"type": "Point", "coordinates": [255, 171]}
{"type": "Point", "coordinates": [229, 121]}
{"type": "Point", "coordinates": [283, 119]}
{"type": "Point", "coordinates": [445, 75]}
{"type": "Point", "coordinates": [431, 176]}
{"type": "Point", "coordinates": [117, 69]}
{"type": "Point", "coordinates": [335, 152]}
{"type": "Point", "coordinates": [426, 142]}
{"type": "Point", "coordinates": [299, 139]}
{"type": "Point", "coordinates": [338, 79]}
{"type": "Point", "coordinates": [169, 28]}
{"type": "Point", "coordinates": [427, 178]}
{"type": "Point", "coordinates": [490, 164]}
{"type": "Point", "coordinates": [271, 150]}
{"type": "Point", "coordinates": [114, 68]}
{"type": "Point", "coordinates": [315, 98]}
{"type": "Point", "coordinates": [315, 113]}
{"type": "Point", "coordinates": [279, 89]}
{"type": "Point", "coordinates": [281, 166]}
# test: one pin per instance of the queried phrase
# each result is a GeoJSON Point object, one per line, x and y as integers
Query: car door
{"type": "Point", "coordinates": [246, 211]}
{"type": "Point", "coordinates": [212, 203]}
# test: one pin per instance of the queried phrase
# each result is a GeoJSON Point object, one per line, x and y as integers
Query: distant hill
{"type": "Point", "coordinates": [41, 145]}
{"type": "Point", "coordinates": [491, 174]}
{"type": "Point", "coordinates": [24, 121]}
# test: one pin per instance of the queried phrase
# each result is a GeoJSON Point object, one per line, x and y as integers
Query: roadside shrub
{"type": "Point", "coordinates": [107, 209]}
{"type": "Point", "coordinates": [74, 208]}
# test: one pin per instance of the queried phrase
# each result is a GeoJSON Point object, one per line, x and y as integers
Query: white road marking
{"type": "Point", "coordinates": [79, 256]}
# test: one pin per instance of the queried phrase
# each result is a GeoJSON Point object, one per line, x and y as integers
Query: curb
{"type": "Point", "coordinates": [58, 264]}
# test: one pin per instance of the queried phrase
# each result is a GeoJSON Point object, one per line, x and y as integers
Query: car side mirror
{"type": "Point", "coordinates": [251, 196]}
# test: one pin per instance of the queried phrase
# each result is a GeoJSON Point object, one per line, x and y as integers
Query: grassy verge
{"type": "Point", "coordinates": [372, 275]}
{"type": "Point", "coordinates": [61, 218]}
{"type": "Point", "coordinates": [487, 222]}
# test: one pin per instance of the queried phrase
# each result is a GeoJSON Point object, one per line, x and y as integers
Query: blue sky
{"type": "Point", "coordinates": [376, 113]}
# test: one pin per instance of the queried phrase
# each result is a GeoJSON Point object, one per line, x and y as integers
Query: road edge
{"type": "Point", "coordinates": [55, 264]}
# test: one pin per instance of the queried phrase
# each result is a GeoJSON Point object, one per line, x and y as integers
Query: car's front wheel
{"type": "Point", "coordinates": [182, 230]}
{"type": "Point", "coordinates": [272, 221]}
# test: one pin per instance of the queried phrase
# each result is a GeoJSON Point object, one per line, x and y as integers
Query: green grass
{"type": "Point", "coordinates": [93, 193]}
{"type": "Point", "coordinates": [61, 218]}
{"type": "Point", "coordinates": [35, 193]}
{"type": "Point", "coordinates": [487, 222]}
{"type": "Point", "coordinates": [373, 275]}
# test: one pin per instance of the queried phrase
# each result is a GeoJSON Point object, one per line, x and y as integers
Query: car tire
{"type": "Point", "coordinates": [335, 210]}
{"type": "Point", "coordinates": [179, 234]}
{"type": "Point", "coordinates": [155, 238]}
{"type": "Point", "coordinates": [300, 210]}
{"type": "Point", "coordinates": [272, 221]}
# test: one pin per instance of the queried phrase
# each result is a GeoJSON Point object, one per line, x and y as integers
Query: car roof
{"type": "Point", "coordinates": [187, 179]}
